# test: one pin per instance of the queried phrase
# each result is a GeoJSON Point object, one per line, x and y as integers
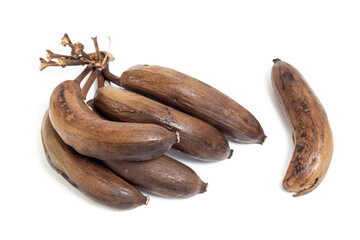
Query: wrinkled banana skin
{"type": "Point", "coordinates": [310, 127]}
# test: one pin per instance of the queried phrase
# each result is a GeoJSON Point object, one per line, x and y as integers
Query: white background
{"type": "Point", "coordinates": [227, 44]}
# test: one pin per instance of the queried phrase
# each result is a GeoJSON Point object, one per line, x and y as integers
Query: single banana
{"type": "Point", "coordinates": [193, 97]}
{"type": "Point", "coordinates": [311, 130]}
{"type": "Point", "coordinates": [198, 138]}
{"type": "Point", "coordinates": [88, 175]}
{"type": "Point", "coordinates": [91, 136]}
{"type": "Point", "coordinates": [163, 176]}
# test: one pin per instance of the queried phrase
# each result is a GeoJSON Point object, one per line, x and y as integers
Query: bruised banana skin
{"type": "Point", "coordinates": [311, 130]}
{"type": "Point", "coordinates": [163, 176]}
{"type": "Point", "coordinates": [195, 98]}
{"type": "Point", "coordinates": [92, 136]}
{"type": "Point", "coordinates": [198, 139]}
{"type": "Point", "coordinates": [88, 175]}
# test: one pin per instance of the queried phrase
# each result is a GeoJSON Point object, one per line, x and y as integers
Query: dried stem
{"type": "Point", "coordinates": [111, 77]}
{"type": "Point", "coordinates": [85, 89]}
{"type": "Point", "coordinates": [85, 55]}
{"type": "Point", "coordinates": [78, 56]}
{"type": "Point", "coordinates": [82, 75]}
{"type": "Point", "coordinates": [97, 63]}
{"type": "Point", "coordinates": [65, 40]}
{"type": "Point", "coordinates": [71, 62]}
{"type": "Point", "coordinates": [97, 51]}
{"type": "Point", "coordinates": [107, 54]}
{"type": "Point", "coordinates": [45, 64]}
{"type": "Point", "coordinates": [77, 49]}
{"type": "Point", "coordinates": [50, 55]}
{"type": "Point", "coordinates": [101, 81]}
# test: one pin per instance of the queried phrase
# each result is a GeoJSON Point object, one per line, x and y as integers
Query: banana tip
{"type": "Point", "coordinates": [265, 137]}
{"type": "Point", "coordinates": [307, 189]}
{"type": "Point", "coordinates": [147, 200]}
{"type": "Point", "coordinates": [206, 185]}
{"type": "Point", "coordinates": [276, 60]}
{"type": "Point", "coordinates": [177, 137]}
{"type": "Point", "coordinates": [231, 153]}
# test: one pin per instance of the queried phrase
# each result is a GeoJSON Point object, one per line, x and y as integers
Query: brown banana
{"type": "Point", "coordinates": [198, 138]}
{"type": "Point", "coordinates": [88, 175]}
{"type": "Point", "coordinates": [163, 176]}
{"type": "Point", "coordinates": [91, 136]}
{"type": "Point", "coordinates": [310, 126]}
{"type": "Point", "coordinates": [193, 97]}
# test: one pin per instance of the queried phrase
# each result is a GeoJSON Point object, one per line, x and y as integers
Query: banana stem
{"type": "Point", "coordinates": [111, 77]}
{"type": "Point", "coordinates": [97, 51]}
{"type": "Point", "coordinates": [101, 81]}
{"type": "Point", "coordinates": [96, 62]}
{"type": "Point", "coordinates": [85, 89]}
{"type": "Point", "coordinates": [82, 75]}
{"type": "Point", "coordinates": [50, 55]}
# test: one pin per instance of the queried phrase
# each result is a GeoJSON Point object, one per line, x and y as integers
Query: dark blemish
{"type": "Point", "coordinates": [303, 134]}
{"type": "Point", "coordinates": [316, 180]}
{"type": "Point", "coordinates": [61, 97]}
{"type": "Point", "coordinates": [138, 112]}
{"type": "Point", "coordinates": [291, 176]}
{"type": "Point", "coordinates": [174, 99]}
{"type": "Point", "coordinates": [314, 131]}
{"type": "Point", "coordinates": [171, 188]}
{"type": "Point", "coordinates": [165, 121]}
{"type": "Point", "coordinates": [218, 148]}
{"type": "Point", "coordinates": [168, 112]}
{"type": "Point", "coordinates": [301, 124]}
{"type": "Point", "coordinates": [305, 106]}
{"type": "Point", "coordinates": [282, 80]}
{"type": "Point", "coordinates": [298, 169]}
{"type": "Point", "coordinates": [231, 153]}
{"type": "Point", "coordinates": [68, 179]}
{"type": "Point", "coordinates": [310, 185]}
{"type": "Point", "coordinates": [300, 148]}
{"type": "Point", "coordinates": [52, 164]}
{"type": "Point", "coordinates": [288, 75]}
{"type": "Point", "coordinates": [297, 163]}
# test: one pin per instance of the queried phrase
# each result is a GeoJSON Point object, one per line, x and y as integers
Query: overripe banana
{"type": "Point", "coordinates": [88, 175]}
{"type": "Point", "coordinates": [163, 176]}
{"type": "Point", "coordinates": [198, 138]}
{"type": "Point", "coordinates": [193, 97]}
{"type": "Point", "coordinates": [311, 130]}
{"type": "Point", "coordinates": [89, 135]}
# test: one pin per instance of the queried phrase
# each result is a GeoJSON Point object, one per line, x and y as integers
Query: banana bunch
{"type": "Point", "coordinates": [118, 139]}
